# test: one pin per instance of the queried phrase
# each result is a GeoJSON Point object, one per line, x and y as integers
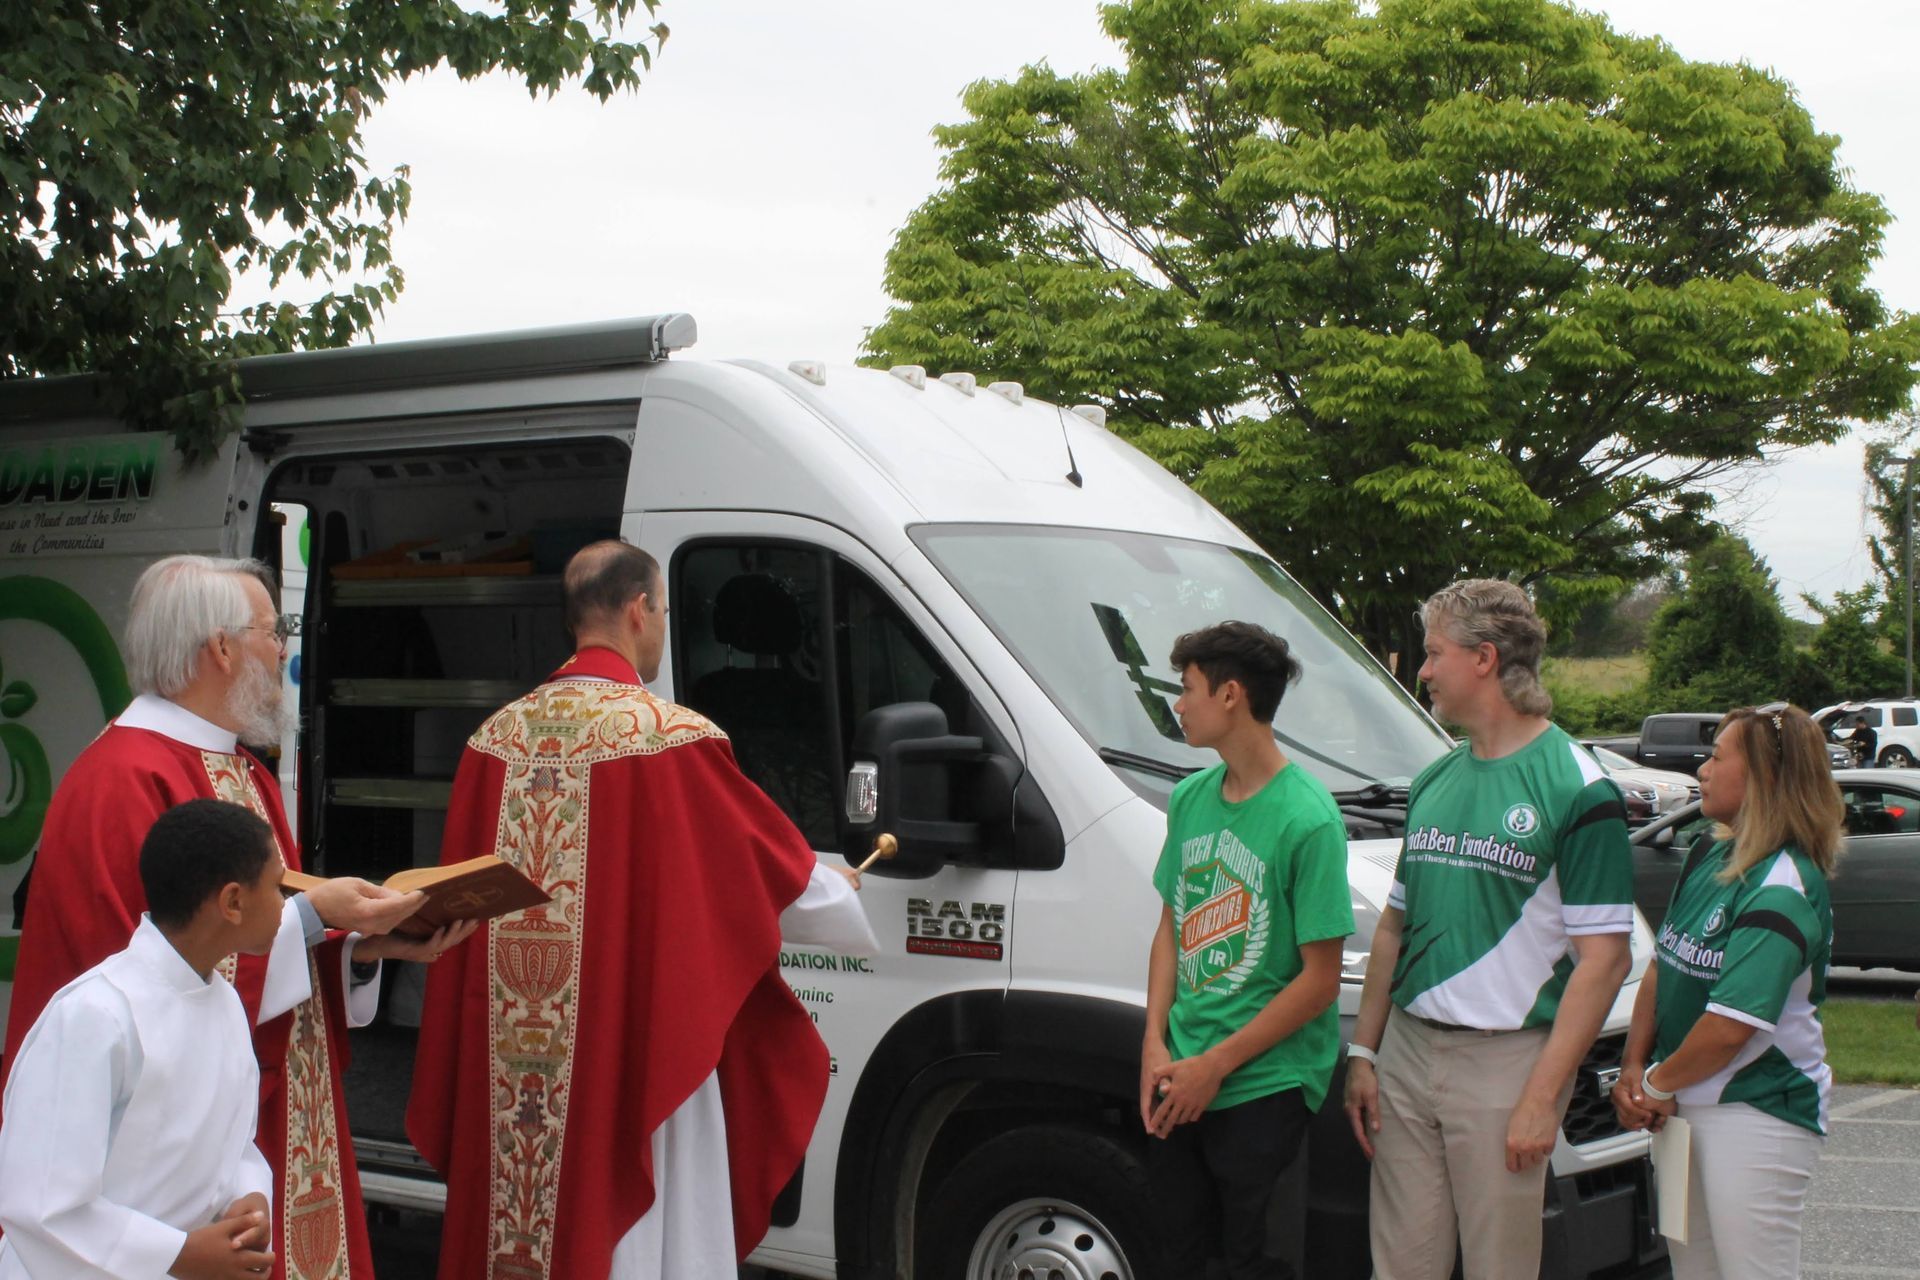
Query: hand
{"type": "Point", "coordinates": [348, 902]}
{"type": "Point", "coordinates": [1363, 1103]}
{"type": "Point", "coordinates": [397, 946]}
{"type": "Point", "coordinates": [853, 876]}
{"type": "Point", "coordinates": [1628, 1102]}
{"type": "Point", "coordinates": [214, 1252]}
{"type": "Point", "coordinates": [252, 1204]}
{"type": "Point", "coordinates": [1154, 1061]}
{"type": "Point", "coordinates": [1186, 1089]}
{"type": "Point", "coordinates": [1532, 1129]}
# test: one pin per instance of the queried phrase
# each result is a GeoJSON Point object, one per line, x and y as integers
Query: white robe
{"type": "Point", "coordinates": [288, 981]}
{"type": "Point", "coordinates": [687, 1233]}
{"type": "Point", "coordinates": [129, 1119]}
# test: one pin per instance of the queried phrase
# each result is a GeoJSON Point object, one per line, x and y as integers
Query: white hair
{"type": "Point", "coordinates": [178, 605]}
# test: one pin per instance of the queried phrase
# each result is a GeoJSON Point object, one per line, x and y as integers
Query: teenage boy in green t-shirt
{"type": "Point", "coordinates": [1241, 1028]}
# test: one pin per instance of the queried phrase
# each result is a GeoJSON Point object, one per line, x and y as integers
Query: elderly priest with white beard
{"type": "Point", "coordinates": [204, 648]}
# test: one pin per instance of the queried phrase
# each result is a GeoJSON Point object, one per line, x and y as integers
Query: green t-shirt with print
{"type": "Point", "coordinates": [1754, 950]}
{"type": "Point", "coordinates": [1249, 883]}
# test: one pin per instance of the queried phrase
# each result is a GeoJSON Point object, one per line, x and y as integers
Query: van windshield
{"type": "Point", "coordinates": [1092, 615]}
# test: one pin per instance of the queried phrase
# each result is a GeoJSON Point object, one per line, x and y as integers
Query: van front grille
{"type": "Point", "coordinates": [1590, 1115]}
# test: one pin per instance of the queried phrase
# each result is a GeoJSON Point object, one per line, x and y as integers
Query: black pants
{"type": "Point", "coordinates": [1213, 1182]}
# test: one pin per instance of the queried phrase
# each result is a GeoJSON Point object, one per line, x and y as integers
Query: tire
{"type": "Point", "coordinates": [1896, 758]}
{"type": "Point", "coordinates": [1049, 1201]}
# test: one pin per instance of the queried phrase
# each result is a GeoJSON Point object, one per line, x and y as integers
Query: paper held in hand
{"type": "Point", "coordinates": [477, 889]}
{"type": "Point", "coordinates": [1672, 1157]}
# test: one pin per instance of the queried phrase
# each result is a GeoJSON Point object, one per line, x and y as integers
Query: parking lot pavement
{"type": "Point", "coordinates": [1866, 1190]}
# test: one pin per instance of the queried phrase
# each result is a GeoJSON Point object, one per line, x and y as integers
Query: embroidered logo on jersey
{"type": "Point", "coordinates": [1521, 821]}
{"type": "Point", "coordinates": [1714, 922]}
{"type": "Point", "coordinates": [1224, 915]}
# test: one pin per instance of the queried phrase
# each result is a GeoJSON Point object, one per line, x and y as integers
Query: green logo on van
{"type": "Point", "coordinates": [26, 780]}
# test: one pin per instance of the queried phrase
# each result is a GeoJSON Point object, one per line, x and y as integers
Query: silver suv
{"type": "Point", "coordinates": [1895, 726]}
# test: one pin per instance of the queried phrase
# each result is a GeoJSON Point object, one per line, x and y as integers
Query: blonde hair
{"type": "Point", "coordinates": [1791, 797]}
{"type": "Point", "coordinates": [1477, 611]}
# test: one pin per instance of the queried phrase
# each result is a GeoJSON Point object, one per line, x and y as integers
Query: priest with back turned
{"type": "Point", "coordinates": [204, 649]}
{"type": "Point", "coordinates": [619, 1083]}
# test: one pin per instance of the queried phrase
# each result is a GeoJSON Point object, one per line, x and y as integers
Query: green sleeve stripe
{"type": "Point", "coordinates": [1778, 923]}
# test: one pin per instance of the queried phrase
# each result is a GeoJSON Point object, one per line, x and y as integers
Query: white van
{"type": "Point", "coordinates": [930, 606]}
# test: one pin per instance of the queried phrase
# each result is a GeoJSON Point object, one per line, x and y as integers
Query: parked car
{"type": "Point", "coordinates": [1875, 886]}
{"type": "Point", "coordinates": [1682, 740]}
{"type": "Point", "coordinates": [1895, 723]}
{"type": "Point", "coordinates": [1649, 793]}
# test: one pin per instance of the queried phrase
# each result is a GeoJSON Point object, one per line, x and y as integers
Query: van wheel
{"type": "Point", "coordinates": [1049, 1201]}
{"type": "Point", "coordinates": [1896, 758]}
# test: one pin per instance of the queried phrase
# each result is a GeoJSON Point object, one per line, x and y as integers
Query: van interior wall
{"type": "Point", "coordinates": [402, 657]}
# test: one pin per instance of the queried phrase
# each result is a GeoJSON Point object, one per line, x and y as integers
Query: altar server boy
{"type": "Point", "coordinates": [126, 1144]}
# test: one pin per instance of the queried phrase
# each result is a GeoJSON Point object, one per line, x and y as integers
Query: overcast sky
{"type": "Point", "coordinates": [757, 177]}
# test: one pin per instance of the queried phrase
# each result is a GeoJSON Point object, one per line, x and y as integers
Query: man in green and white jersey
{"type": "Point", "coordinates": [1504, 942]}
{"type": "Point", "coordinates": [1754, 949]}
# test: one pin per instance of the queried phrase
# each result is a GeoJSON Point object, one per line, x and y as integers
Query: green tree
{"type": "Point", "coordinates": [1721, 639]}
{"type": "Point", "coordinates": [1412, 290]}
{"type": "Point", "coordinates": [1887, 504]}
{"type": "Point", "coordinates": [1849, 658]}
{"type": "Point", "coordinates": [151, 152]}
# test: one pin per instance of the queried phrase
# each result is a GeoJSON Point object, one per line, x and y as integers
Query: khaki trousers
{"type": "Point", "coordinates": [1440, 1159]}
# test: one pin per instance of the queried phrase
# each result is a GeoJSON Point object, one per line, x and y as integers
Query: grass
{"type": "Point", "coordinates": [1872, 1041]}
{"type": "Point", "coordinates": [1597, 675]}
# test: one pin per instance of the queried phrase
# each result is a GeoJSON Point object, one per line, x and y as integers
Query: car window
{"type": "Point", "coordinates": [1905, 716]}
{"type": "Point", "coordinates": [1880, 811]}
{"type": "Point", "coordinates": [1873, 716]}
{"type": "Point", "coordinates": [1681, 731]}
{"type": "Point", "coordinates": [747, 643]}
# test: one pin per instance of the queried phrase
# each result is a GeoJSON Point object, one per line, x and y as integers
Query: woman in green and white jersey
{"type": "Point", "coordinates": [1728, 1018]}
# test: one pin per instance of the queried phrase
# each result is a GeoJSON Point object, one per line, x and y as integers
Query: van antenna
{"type": "Point", "coordinates": [1073, 468]}
{"type": "Point", "coordinates": [1074, 477]}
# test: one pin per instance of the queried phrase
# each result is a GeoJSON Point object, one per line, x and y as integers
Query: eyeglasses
{"type": "Point", "coordinates": [284, 628]}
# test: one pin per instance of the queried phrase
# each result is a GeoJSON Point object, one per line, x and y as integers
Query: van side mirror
{"type": "Point", "coordinates": [944, 797]}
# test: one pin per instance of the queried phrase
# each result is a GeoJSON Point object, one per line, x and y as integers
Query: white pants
{"type": "Point", "coordinates": [1746, 1188]}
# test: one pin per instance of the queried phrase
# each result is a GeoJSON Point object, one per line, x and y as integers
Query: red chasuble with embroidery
{"type": "Point", "coordinates": [556, 1044]}
{"type": "Point", "coordinates": [85, 903]}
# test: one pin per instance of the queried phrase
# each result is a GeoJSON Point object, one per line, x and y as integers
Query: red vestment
{"type": "Point", "coordinates": [553, 1048]}
{"type": "Point", "coordinates": [84, 906]}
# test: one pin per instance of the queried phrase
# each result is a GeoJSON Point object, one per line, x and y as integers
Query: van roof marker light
{"type": "Point", "coordinates": [964, 383]}
{"type": "Point", "coordinates": [1092, 413]}
{"type": "Point", "coordinates": [913, 375]}
{"type": "Point", "coordinates": [1013, 391]}
{"type": "Point", "coordinates": [813, 371]}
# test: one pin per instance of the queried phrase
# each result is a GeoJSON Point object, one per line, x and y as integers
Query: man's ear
{"type": "Point", "coordinates": [232, 901]}
{"type": "Point", "coordinates": [1486, 659]}
{"type": "Point", "coordinates": [219, 651]}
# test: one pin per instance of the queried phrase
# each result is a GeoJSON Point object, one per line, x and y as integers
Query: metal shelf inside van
{"type": "Point", "coordinates": [422, 592]}
{"type": "Point", "coordinates": [484, 694]}
{"type": "Point", "coordinates": [392, 793]}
